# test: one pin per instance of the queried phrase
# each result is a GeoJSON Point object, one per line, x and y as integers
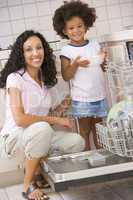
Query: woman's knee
{"type": "Point", "coordinates": [42, 129]}
{"type": "Point", "coordinates": [39, 143]}
{"type": "Point", "coordinates": [79, 143]}
{"type": "Point", "coordinates": [76, 143]}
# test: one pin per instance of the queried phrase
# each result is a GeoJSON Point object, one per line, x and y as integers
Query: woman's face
{"type": "Point", "coordinates": [33, 52]}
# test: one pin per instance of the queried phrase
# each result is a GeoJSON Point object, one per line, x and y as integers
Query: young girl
{"type": "Point", "coordinates": [81, 61]}
{"type": "Point", "coordinates": [27, 77]}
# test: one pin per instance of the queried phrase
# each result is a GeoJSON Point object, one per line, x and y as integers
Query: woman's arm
{"type": "Point", "coordinates": [68, 70]}
{"type": "Point", "coordinates": [25, 120]}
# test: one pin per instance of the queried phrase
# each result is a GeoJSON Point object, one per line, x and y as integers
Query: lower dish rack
{"type": "Point", "coordinates": [118, 140]}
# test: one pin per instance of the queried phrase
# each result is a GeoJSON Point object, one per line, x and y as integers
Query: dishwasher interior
{"type": "Point", "coordinates": [85, 168]}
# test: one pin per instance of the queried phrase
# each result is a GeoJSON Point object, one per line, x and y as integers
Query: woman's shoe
{"type": "Point", "coordinates": [32, 187]}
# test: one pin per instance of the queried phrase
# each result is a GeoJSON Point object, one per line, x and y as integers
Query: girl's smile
{"type": "Point", "coordinates": [75, 30]}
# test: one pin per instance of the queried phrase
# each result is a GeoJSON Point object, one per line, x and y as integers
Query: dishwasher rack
{"type": "Point", "coordinates": [118, 138]}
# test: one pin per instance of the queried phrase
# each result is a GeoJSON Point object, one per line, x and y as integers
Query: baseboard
{"type": "Point", "coordinates": [11, 178]}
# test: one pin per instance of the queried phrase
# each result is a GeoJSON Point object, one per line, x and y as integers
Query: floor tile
{"type": "Point", "coordinates": [75, 195]}
{"type": "Point", "coordinates": [94, 188]}
{"type": "Point", "coordinates": [90, 192]}
{"type": "Point", "coordinates": [14, 192]}
{"type": "Point", "coordinates": [3, 195]}
{"type": "Point", "coordinates": [123, 188]}
{"type": "Point", "coordinates": [53, 195]}
{"type": "Point", "coordinates": [106, 196]}
{"type": "Point", "coordinates": [114, 190]}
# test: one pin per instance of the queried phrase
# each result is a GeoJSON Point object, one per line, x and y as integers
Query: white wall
{"type": "Point", "coordinates": [18, 15]}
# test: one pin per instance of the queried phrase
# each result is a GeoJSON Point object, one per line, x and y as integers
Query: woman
{"type": "Point", "coordinates": [28, 76]}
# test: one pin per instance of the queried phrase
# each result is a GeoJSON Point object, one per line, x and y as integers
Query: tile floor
{"type": "Point", "coordinates": [114, 190]}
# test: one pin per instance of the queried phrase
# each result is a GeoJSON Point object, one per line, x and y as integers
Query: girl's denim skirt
{"type": "Point", "coordinates": [89, 109]}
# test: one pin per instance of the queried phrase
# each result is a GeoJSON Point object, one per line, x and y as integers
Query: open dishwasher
{"type": "Point", "coordinates": [115, 159]}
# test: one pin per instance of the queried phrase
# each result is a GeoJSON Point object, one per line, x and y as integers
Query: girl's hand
{"type": "Point", "coordinates": [81, 62]}
{"type": "Point", "coordinates": [104, 54]}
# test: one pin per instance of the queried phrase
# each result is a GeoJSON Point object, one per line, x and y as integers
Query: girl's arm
{"type": "Point", "coordinates": [22, 119]}
{"type": "Point", "coordinates": [69, 69]}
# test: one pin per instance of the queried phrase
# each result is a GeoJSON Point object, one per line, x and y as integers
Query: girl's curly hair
{"type": "Point", "coordinates": [71, 9]}
{"type": "Point", "coordinates": [16, 60]}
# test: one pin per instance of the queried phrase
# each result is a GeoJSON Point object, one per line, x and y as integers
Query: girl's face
{"type": "Point", "coordinates": [33, 52]}
{"type": "Point", "coordinates": [75, 30]}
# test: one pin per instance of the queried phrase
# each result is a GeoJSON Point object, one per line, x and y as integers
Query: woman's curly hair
{"type": "Point", "coordinates": [71, 9]}
{"type": "Point", "coordinates": [16, 60]}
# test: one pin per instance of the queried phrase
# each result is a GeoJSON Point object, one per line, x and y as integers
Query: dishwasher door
{"type": "Point", "coordinates": [86, 167]}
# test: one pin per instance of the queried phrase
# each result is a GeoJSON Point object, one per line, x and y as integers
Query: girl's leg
{"type": "Point", "coordinates": [85, 128]}
{"type": "Point", "coordinates": [93, 129]}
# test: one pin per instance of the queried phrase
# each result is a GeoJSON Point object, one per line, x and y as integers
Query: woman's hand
{"type": "Point", "coordinates": [63, 121]}
{"type": "Point", "coordinates": [62, 108]}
